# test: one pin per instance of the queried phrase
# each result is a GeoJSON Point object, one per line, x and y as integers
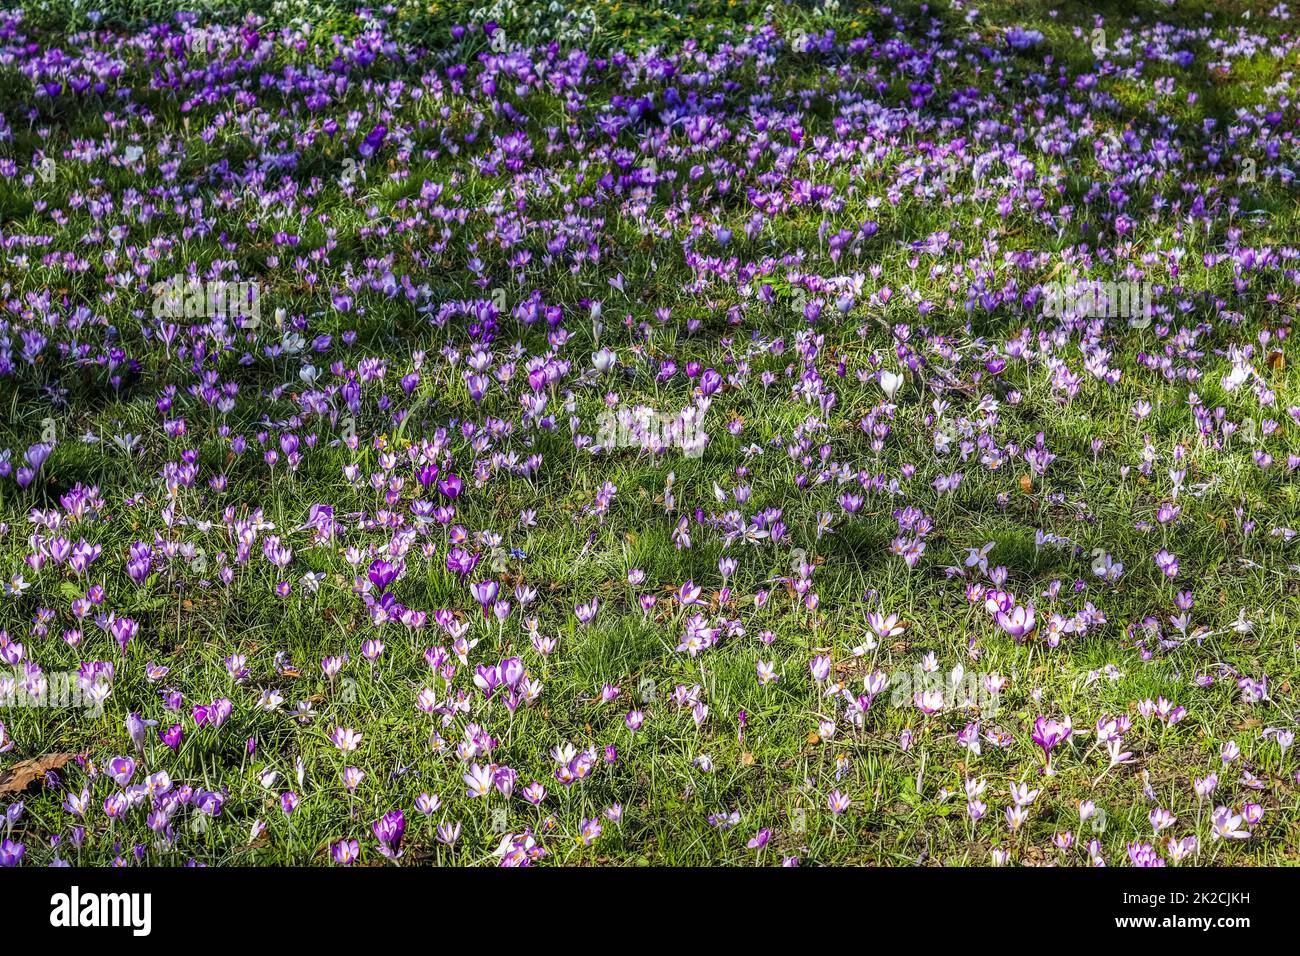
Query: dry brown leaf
{"type": "Point", "coordinates": [747, 758]}
{"type": "Point", "coordinates": [1026, 484]}
{"type": "Point", "coordinates": [26, 772]}
{"type": "Point", "coordinates": [1276, 361]}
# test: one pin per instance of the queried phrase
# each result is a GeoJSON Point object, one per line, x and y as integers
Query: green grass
{"type": "Point", "coordinates": [908, 803]}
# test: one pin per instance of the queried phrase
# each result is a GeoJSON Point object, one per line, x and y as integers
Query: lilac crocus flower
{"type": "Point", "coordinates": [136, 727]}
{"type": "Point", "coordinates": [1167, 563]}
{"type": "Point", "coordinates": [1018, 622]}
{"type": "Point", "coordinates": [1049, 734]}
{"type": "Point", "coordinates": [345, 852]}
{"type": "Point", "coordinates": [485, 592]}
{"type": "Point", "coordinates": [11, 853]}
{"type": "Point", "coordinates": [121, 769]}
{"type": "Point", "coordinates": [388, 831]}
{"type": "Point", "coordinates": [1144, 855]}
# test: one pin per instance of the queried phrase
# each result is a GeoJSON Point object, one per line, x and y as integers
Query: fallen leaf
{"type": "Point", "coordinates": [747, 758]}
{"type": "Point", "coordinates": [26, 772]}
{"type": "Point", "coordinates": [1026, 484]}
{"type": "Point", "coordinates": [1276, 361]}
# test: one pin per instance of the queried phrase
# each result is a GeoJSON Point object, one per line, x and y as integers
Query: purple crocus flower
{"type": "Point", "coordinates": [121, 769]}
{"type": "Point", "coordinates": [1018, 38]}
{"type": "Point", "coordinates": [388, 831]}
{"type": "Point", "coordinates": [512, 671]}
{"type": "Point", "coordinates": [209, 802]}
{"type": "Point", "coordinates": [485, 592]}
{"type": "Point", "coordinates": [11, 853]}
{"type": "Point", "coordinates": [373, 141]}
{"type": "Point", "coordinates": [461, 562]}
{"type": "Point", "coordinates": [123, 630]}
{"type": "Point", "coordinates": [383, 573]}
{"type": "Point", "coordinates": [1144, 855]}
{"type": "Point", "coordinates": [1017, 622]}
{"type": "Point", "coordinates": [1049, 734]}
{"type": "Point", "coordinates": [136, 727]}
{"type": "Point", "coordinates": [345, 852]}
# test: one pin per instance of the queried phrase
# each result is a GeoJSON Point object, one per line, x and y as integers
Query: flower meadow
{"type": "Point", "coordinates": [675, 434]}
